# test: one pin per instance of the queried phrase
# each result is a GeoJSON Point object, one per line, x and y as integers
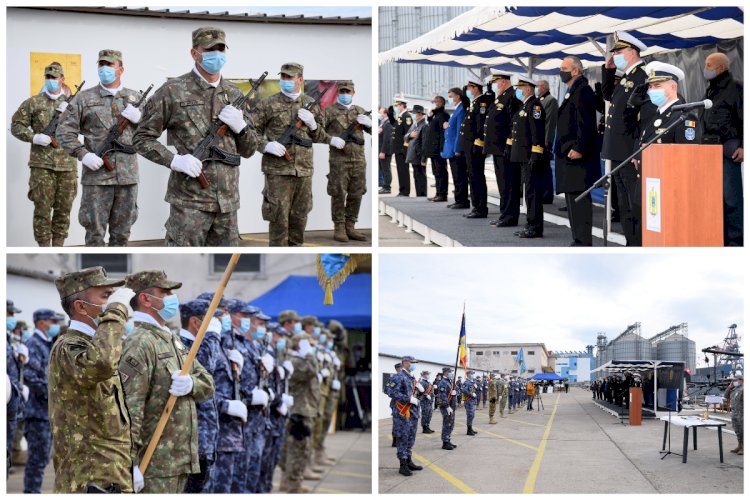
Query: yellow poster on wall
{"type": "Point", "coordinates": [71, 64]}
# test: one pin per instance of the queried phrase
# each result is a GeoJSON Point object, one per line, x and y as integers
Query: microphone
{"type": "Point", "coordinates": [706, 103]}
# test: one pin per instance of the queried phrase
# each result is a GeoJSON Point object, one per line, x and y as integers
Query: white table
{"type": "Point", "coordinates": [694, 422]}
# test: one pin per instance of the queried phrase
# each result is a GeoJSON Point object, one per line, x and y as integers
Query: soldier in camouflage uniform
{"type": "Point", "coordinates": [191, 315]}
{"type": "Point", "coordinates": [87, 413]}
{"type": "Point", "coordinates": [493, 395]}
{"type": "Point", "coordinates": [150, 371]}
{"type": "Point", "coordinates": [347, 177]}
{"type": "Point", "coordinates": [108, 198]}
{"type": "Point", "coordinates": [447, 401]}
{"type": "Point", "coordinates": [52, 180]}
{"type": "Point", "coordinates": [287, 195]}
{"type": "Point", "coordinates": [424, 394]}
{"type": "Point", "coordinates": [735, 393]}
{"type": "Point", "coordinates": [186, 107]}
{"type": "Point", "coordinates": [329, 391]}
{"type": "Point", "coordinates": [401, 388]}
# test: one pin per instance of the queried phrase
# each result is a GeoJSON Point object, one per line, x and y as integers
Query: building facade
{"type": "Point", "coordinates": [505, 358]}
{"type": "Point", "coordinates": [575, 366]}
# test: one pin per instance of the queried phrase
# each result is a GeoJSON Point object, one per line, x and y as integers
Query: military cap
{"type": "Point", "coordinates": [425, 372]}
{"type": "Point", "coordinates": [40, 314]}
{"type": "Point", "coordinates": [309, 320]}
{"type": "Point", "coordinates": [288, 315]}
{"type": "Point", "coordinates": [11, 308]}
{"type": "Point", "coordinates": [78, 281]}
{"type": "Point", "coordinates": [410, 359]}
{"type": "Point", "coordinates": [662, 72]}
{"type": "Point", "coordinates": [271, 326]}
{"type": "Point", "coordinates": [417, 109]}
{"type": "Point", "coordinates": [59, 316]}
{"type": "Point", "coordinates": [469, 373]}
{"type": "Point", "coordinates": [150, 279]}
{"type": "Point", "coordinates": [473, 79]}
{"type": "Point", "coordinates": [280, 330]}
{"type": "Point", "coordinates": [207, 37]}
{"type": "Point", "coordinates": [524, 80]}
{"type": "Point", "coordinates": [446, 369]}
{"type": "Point", "coordinates": [496, 74]}
{"type": "Point", "coordinates": [209, 296]}
{"type": "Point", "coordinates": [397, 366]}
{"type": "Point", "coordinates": [54, 69]}
{"type": "Point", "coordinates": [335, 326]}
{"type": "Point", "coordinates": [251, 309]}
{"type": "Point", "coordinates": [261, 315]}
{"type": "Point", "coordinates": [346, 85]}
{"type": "Point", "coordinates": [238, 306]}
{"type": "Point", "coordinates": [196, 307]}
{"type": "Point", "coordinates": [623, 40]}
{"type": "Point", "coordinates": [291, 69]}
{"type": "Point", "coordinates": [110, 55]}
{"type": "Point", "coordinates": [399, 98]}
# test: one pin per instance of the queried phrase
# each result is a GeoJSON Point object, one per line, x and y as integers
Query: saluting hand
{"type": "Point", "coordinates": [610, 64]}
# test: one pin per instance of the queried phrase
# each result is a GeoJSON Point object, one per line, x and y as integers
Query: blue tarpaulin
{"type": "Point", "coordinates": [352, 301]}
{"type": "Point", "coordinates": [547, 376]}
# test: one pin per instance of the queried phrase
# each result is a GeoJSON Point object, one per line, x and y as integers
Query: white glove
{"type": "Point", "coordinates": [338, 142]}
{"type": "Point", "coordinates": [473, 394]}
{"type": "Point", "coordinates": [307, 117]}
{"type": "Point", "coordinates": [336, 385]}
{"type": "Point", "coordinates": [320, 378]}
{"type": "Point", "coordinates": [327, 357]}
{"type": "Point", "coordinates": [420, 388]}
{"type": "Point", "coordinates": [92, 162]}
{"type": "Point", "coordinates": [364, 120]}
{"type": "Point", "coordinates": [122, 296]}
{"type": "Point", "coordinates": [288, 367]}
{"type": "Point", "coordinates": [25, 392]}
{"type": "Point", "coordinates": [450, 411]}
{"type": "Point", "coordinates": [237, 409]}
{"type": "Point", "coordinates": [453, 393]}
{"type": "Point", "coordinates": [319, 355]}
{"type": "Point", "coordinates": [304, 347]}
{"type": "Point", "coordinates": [336, 362]}
{"type": "Point", "coordinates": [259, 397]}
{"type": "Point", "coordinates": [288, 400]}
{"type": "Point", "coordinates": [325, 372]}
{"type": "Point", "coordinates": [268, 362]}
{"type": "Point", "coordinates": [233, 117]}
{"type": "Point", "coordinates": [63, 106]}
{"type": "Point", "coordinates": [137, 479]}
{"type": "Point", "coordinates": [132, 114]}
{"type": "Point", "coordinates": [41, 140]}
{"type": "Point", "coordinates": [8, 389]}
{"type": "Point", "coordinates": [429, 397]}
{"type": "Point", "coordinates": [275, 148]}
{"type": "Point", "coordinates": [181, 384]}
{"type": "Point", "coordinates": [187, 164]}
{"type": "Point", "coordinates": [236, 357]}
{"type": "Point", "coordinates": [282, 409]}
{"type": "Point", "coordinates": [282, 373]}
{"type": "Point", "coordinates": [21, 350]}
{"type": "Point", "coordinates": [214, 325]}
{"type": "Point", "coordinates": [271, 394]}
{"type": "Point", "coordinates": [414, 400]}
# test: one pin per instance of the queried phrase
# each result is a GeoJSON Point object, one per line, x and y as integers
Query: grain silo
{"type": "Point", "coordinates": [673, 344]}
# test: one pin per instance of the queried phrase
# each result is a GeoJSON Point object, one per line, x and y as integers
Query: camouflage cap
{"type": "Point", "coordinates": [208, 36]}
{"type": "Point", "coordinates": [11, 308]}
{"type": "Point", "coordinates": [238, 306]}
{"type": "Point", "coordinates": [41, 314]}
{"type": "Point", "coordinates": [335, 326]}
{"type": "Point", "coordinates": [196, 307]}
{"type": "Point", "coordinates": [209, 296]}
{"type": "Point", "coordinates": [291, 69]}
{"type": "Point", "coordinates": [288, 315]}
{"type": "Point", "coordinates": [150, 279]}
{"type": "Point", "coordinates": [346, 84]}
{"type": "Point", "coordinates": [309, 320]}
{"type": "Point", "coordinates": [54, 69]}
{"type": "Point", "coordinates": [78, 281]}
{"type": "Point", "coordinates": [110, 55]}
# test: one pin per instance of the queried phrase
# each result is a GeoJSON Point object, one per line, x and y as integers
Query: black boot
{"type": "Point", "coordinates": [393, 442]}
{"type": "Point", "coordinates": [404, 468]}
{"type": "Point", "coordinates": [429, 431]}
{"type": "Point", "coordinates": [454, 445]}
{"type": "Point", "coordinates": [468, 431]}
{"type": "Point", "coordinates": [472, 431]}
{"type": "Point", "coordinates": [412, 465]}
{"type": "Point", "coordinates": [447, 445]}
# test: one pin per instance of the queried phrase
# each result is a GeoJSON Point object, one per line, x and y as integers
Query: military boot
{"type": "Point", "coordinates": [284, 482]}
{"type": "Point", "coordinates": [322, 459]}
{"type": "Point", "coordinates": [58, 242]}
{"type": "Point", "coordinates": [317, 468]}
{"type": "Point", "coordinates": [353, 234]}
{"type": "Point", "coordinates": [308, 474]}
{"type": "Point", "coordinates": [472, 431]}
{"type": "Point", "coordinates": [43, 243]}
{"type": "Point", "coordinates": [412, 465]}
{"type": "Point", "coordinates": [393, 442]}
{"type": "Point", "coordinates": [447, 445]}
{"type": "Point", "coordinates": [740, 451]}
{"type": "Point", "coordinates": [492, 420]}
{"type": "Point", "coordinates": [735, 450]}
{"type": "Point", "coordinates": [298, 487]}
{"type": "Point", "coordinates": [454, 445]}
{"type": "Point", "coordinates": [339, 232]}
{"type": "Point", "coordinates": [404, 468]}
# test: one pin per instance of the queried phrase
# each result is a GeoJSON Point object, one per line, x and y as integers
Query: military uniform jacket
{"type": "Point", "coordinates": [736, 399]}
{"type": "Point", "coordinates": [497, 128]}
{"type": "Point", "coordinates": [89, 418]}
{"type": "Point", "coordinates": [492, 389]}
{"type": "Point", "coordinates": [277, 385]}
{"type": "Point", "coordinates": [443, 394]}
{"type": "Point", "coordinates": [325, 361]}
{"type": "Point", "coordinates": [250, 373]}
{"type": "Point", "coordinates": [271, 118]}
{"type": "Point", "coordinates": [403, 123]}
{"type": "Point", "coordinates": [150, 356]}
{"type": "Point", "coordinates": [230, 438]}
{"type": "Point", "coordinates": [724, 119]}
{"type": "Point", "coordinates": [304, 386]}
{"type": "Point", "coordinates": [14, 407]}
{"type": "Point", "coordinates": [502, 389]}
{"type": "Point", "coordinates": [428, 389]}
{"type": "Point", "coordinates": [468, 390]}
{"type": "Point", "coordinates": [687, 131]}
{"type": "Point", "coordinates": [527, 134]}
{"type": "Point", "coordinates": [623, 129]}
{"type": "Point", "coordinates": [92, 114]}
{"type": "Point", "coordinates": [336, 119]}
{"type": "Point", "coordinates": [208, 415]}
{"type": "Point", "coordinates": [472, 128]}
{"type": "Point", "coordinates": [186, 107]}
{"type": "Point", "coordinates": [35, 377]}
{"type": "Point", "coordinates": [32, 116]}
{"type": "Point", "coordinates": [400, 388]}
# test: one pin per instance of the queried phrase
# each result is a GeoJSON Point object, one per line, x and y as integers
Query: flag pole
{"type": "Point", "coordinates": [458, 349]}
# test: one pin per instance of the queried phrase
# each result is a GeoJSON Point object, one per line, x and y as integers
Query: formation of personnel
{"type": "Point", "coordinates": [203, 193]}
{"type": "Point", "coordinates": [259, 393]}
{"type": "Point", "coordinates": [516, 121]}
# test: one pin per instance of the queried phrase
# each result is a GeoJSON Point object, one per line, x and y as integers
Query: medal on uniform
{"type": "Point", "coordinates": [657, 122]}
{"type": "Point", "coordinates": [567, 95]}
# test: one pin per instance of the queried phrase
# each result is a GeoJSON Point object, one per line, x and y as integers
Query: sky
{"type": "Point", "coordinates": [560, 300]}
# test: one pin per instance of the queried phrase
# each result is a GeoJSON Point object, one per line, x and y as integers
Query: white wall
{"type": "Point", "coordinates": [29, 294]}
{"type": "Point", "coordinates": [154, 49]}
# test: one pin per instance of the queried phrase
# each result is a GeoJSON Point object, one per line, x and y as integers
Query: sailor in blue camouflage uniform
{"type": "Point", "coordinates": [36, 415]}
{"type": "Point", "coordinates": [446, 400]}
{"type": "Point", "coordinates": [15, 358]}
{"type": "Point", "coordinates": [485, 390]}
{"type": "Point", "coordinates": [469, 395]}
{"type": "Point", "coordinates": [396, 368]}
{"type": "Point", "coordinates": [191, 316]}
{"type": "Point", "coordinates": [425, 389]}
{"type": "Point", "coordinates": [401, 388]}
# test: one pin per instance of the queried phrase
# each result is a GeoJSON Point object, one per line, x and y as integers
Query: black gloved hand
{"type": "Point", "coordinates": [598, 89]}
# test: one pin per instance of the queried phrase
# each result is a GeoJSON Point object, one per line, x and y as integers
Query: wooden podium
{"type": "Point", "coordinates": [682, 196]}
{"type": "Point", "coordinates": [636, 406]}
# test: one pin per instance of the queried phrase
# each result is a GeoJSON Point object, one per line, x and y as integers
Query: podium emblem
{"type": "Point", "coordinates": [690, 134]}
{"type": "Point", "coordinates": [653, 202]}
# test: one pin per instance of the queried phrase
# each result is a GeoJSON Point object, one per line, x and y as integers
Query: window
{"type": "Point", "coordinates": [531, 353]}
{"type": "Point", "coordinates": [513, 353]}
{"type": "Point", "coordinates": [531, 370]}
{"type": "Point", "coordinates": [514, 371]}
{"type": "Point", "coordinates": [113, 263]}
{"type": "Point", "coordinates": [249, 263]}
{"type": "Point", "coordinates": [495, 353]}
{"type": "Point", "coordinates": [479, 353]}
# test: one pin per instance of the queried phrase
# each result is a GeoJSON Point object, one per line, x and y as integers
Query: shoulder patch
{"type": "Point", "coordinates": [690, 134]}
{"type": "Point", "coordinates": [537, 114]}
{"type": "Point", "coordinates": [408, 120]}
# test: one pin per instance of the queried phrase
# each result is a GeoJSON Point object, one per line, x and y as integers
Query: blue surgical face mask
{"type": "Point", "coordinates": [412, 367]}
{"type": "Point", "coordinates": [52, 85]}
{"type": "Point", "coordinates": [53, 331]}
{"type": "Point", "coordinates": [316, 332]}
{"type": "Point", "coordinates": [244, 325]}
{"type": "Point", "coordinates": [298, 327]}
{"type": "Point", "coordinates": [620, 62]}
{"type": "Point", "coordinates": [519, 95]}
{"type": "Point", "coordinates": [226, 323]}
{"type": "Point", "coordinates": [106, 74]}
{"type": "Point", "coordinates": [469, 93]}
{"type": "Point", "coordinates": [495, 88]}
{"type": "Point", "coordinates": [287, 86]}
{"type": "Point", "coordinates": [269, 337]}
{"type": "Point", "coordinates": [258, 335]}
{"type": "Point", "coordinates": [171, 304]}
{"type": "Point", "coordinates": [657, 96]}
{"type": "Point", "coordinates": [261, 329]}
{"type": "Point", "coordinates": [281, 344]}
{"type": "Point", "coordinates": [26, 335]}
{"type": "Point", "coordinates": [95, 320]}
{"type": "Point", "coordinates": [213, 61]}
{"type": "Point", "coordinates": [330, 345]}
{"type": "Point", "coordinates": [129, 327]}
{"type": "Point", "coordinates": [345, 99]}
{"type": "Point", "coordinates": [10, 323]}
{"type": "Point", "coordinates": [323, 339]}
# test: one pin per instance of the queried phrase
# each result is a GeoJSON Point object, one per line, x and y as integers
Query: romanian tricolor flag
{"type": "Point", "coordinates": [462, 342]}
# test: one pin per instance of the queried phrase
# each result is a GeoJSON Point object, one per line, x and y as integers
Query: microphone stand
{"type": "Point", "coordinates": [605, 180]}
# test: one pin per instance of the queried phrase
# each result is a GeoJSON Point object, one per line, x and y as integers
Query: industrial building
{"type": "Point", "coordinates": [575, 366]}
{"type": "Point", "coordinates": [504, 358]}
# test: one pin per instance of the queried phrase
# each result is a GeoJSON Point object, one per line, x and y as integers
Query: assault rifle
{"type": "Point", "coordinates": [51, 127]}
{"type": "Point", "coordinates": [112, 142]}
{"type": "Point", "coordinates": [290, 136]}
{"type": "Point", "coordinates": [348, 134]}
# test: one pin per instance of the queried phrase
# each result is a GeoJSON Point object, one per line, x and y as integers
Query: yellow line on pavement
{"type": "Point", "coordinates": [463, 487]}
{"type": "Point", "coordinates": [499, 436]}
{"type": "Point", "coordinates": [534, 470]}
{"type": "Point", "coordinates": [350, 474]}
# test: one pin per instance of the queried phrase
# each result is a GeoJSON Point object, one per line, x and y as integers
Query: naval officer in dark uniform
{"type": "Point", "coordinates": [402, 126]}
{"type": "Point", "coordinates": [471, 142]}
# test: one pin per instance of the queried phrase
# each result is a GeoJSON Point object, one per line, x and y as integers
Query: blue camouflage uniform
{"type": "Point", "coordinates": [425, 402]}
{"type": "Point", "coordinates": [255, 431]}
{"type": "Point", "coordinates": [400, 389]}
{"type": "Point", "coordinates": [446, 400]}
{"type": "Point", "coordinates": [485, 390]}
{"type": "Point", "coordinates": [468, 392]}
{"type": "Point", "coordinates": [275, 428]}
{"type": "Point", "coordinates": [14, 407]}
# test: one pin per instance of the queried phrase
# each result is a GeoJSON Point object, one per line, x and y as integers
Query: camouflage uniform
{"type": "Point", "coordinates": [52, 180]}
{"type": "Point", "coordinates": [287, 195]}
{"type": "Point", "coordinates": [493, 397]}
{"type": "Point", "coordinates": [108, 198]}
{"type": "Point", "coordinates": [347, 178]}
{"type": "Point", "coordinates": [186, 107]}
{"type": "Point", "coordinates": [329, 398]}
{"type": "Point", "coordinates": [150, 355]}
{"type": "Point", "coordinates": [90, 422]}
{"type": "Point", "coordinates": [257, 420]}
{"type": "Point", "coordinates": [502, 395]}
{"type": "Point", "coordinates": [275, 428]}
